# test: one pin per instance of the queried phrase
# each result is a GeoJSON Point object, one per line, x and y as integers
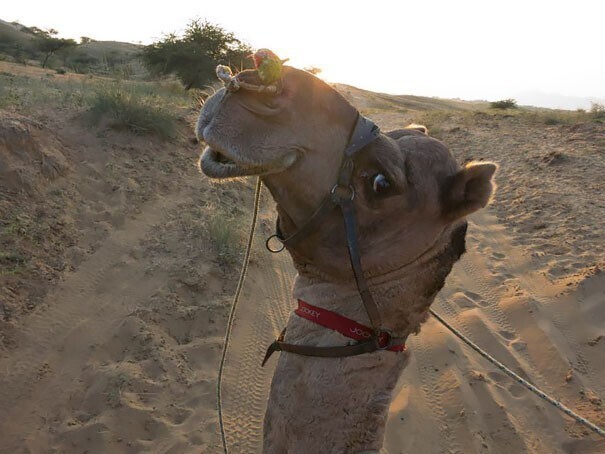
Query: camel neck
{"type": "Point", "coordinates": [353, 393]}
{"type": "Point", "coordinates": [399, 301]}
{"type": "Point", "coordinates": [402, 295]}
{"type": "Point", "coordinates": [360, 387]}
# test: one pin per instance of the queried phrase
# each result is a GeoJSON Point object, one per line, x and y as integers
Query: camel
{"type": "Point", "coordinates": [410, 199]}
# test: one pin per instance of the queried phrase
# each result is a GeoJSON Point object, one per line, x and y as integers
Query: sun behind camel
{"type": "Point", "coordinates": [410, 202]}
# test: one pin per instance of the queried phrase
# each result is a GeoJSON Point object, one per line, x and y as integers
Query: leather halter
{"type": "Point", "coordinates": [342, 195]}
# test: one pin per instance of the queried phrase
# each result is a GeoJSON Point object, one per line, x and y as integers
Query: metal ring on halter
{"type": "Point", "coordinates": [270, 249]}
{"type": "Point", "coordinates": [337, 197]}
{"type": "Point", "coordinates": [389, 342]}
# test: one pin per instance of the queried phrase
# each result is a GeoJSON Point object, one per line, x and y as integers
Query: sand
{"type": "Point", "coordinates": [120, 352]}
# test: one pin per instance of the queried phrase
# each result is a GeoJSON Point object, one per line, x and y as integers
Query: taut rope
{"type": "Point", "coordinates": [521, 380]}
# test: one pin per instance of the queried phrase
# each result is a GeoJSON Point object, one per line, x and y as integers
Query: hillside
{"type": "Point", "coordinates": [372, 100]}
{"type": "Point", "coordinates": [17, 43]}
{"type": "Point", "coordinates": [13, 32]}
{"type": "Point", "coordinates": [13, 39]}
{"type": "Point", "coordinates": [118, 261]}
{"type": "Point", "coordinates": [98, 48]}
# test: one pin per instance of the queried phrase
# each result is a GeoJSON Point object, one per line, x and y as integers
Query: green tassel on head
{"type": "Point", "coordinates": [269, 65]}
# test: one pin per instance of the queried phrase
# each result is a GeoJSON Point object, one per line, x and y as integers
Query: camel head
{"type": "Point", "coordinates": [410, 194]}
{"type": "Point", "coordinates": [252, 133]}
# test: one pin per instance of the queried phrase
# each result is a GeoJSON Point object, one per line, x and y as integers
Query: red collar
{"type": "Point", "coordinates": [345, 326]}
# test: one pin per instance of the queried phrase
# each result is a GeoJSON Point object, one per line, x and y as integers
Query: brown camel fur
{"type": "Point", "coordinates": [411, 231]}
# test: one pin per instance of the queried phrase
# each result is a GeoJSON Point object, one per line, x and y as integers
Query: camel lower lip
{"type": "Point", "coordinates": [217, 165]}
{"type": "Point", "coordinates": [222, 159]}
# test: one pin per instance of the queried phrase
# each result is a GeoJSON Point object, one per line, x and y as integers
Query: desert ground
{"type": "Point", "coordinates": [118, 261]}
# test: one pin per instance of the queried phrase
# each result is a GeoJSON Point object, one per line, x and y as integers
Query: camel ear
{"type": "Point", "coordinates": [420, 128]}
{"type": "Point", "coordinates": [469, 190]}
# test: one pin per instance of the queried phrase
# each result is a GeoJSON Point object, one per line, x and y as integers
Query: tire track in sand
{"type": "Point", "coordinates": [558, 314]}
{"type": "Point", "coordinates": [485, 291]}
{"type": "Point", "coordinates": [85, 305]}
{"type": "Point", "coordinates": [464, 367]}
{"type": "Point", "coordinates": [468, 280]}
{"type": "Point", "coordinates": [429, 383]}
{"type": "Point", "coordinates": [262, 313]}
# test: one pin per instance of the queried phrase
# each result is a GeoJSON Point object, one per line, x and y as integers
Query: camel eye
{"type": "Point", "coordinates": [380, 183]}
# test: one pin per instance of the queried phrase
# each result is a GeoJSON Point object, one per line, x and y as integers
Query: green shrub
{"type": "Point", "coordinates": [552, 119]}
{"type": "Point", "coordinates": [504, 104]}
{"type": "Point", "coordinates": [128, 109]}
{"type": "Point", "coordinates": [597, 110]}
{"type": "Point", "coordinates": [225, 235]}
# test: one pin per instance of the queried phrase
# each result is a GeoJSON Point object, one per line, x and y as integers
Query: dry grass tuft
{"type": "Point", "coordinates": [125, 109]}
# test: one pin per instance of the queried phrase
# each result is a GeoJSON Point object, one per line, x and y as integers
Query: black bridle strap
{"type": "Point", "coordinates": [369, 346]}
{"type": "Point", "coordinates": [372, 344]}
{"type": "Point", "coordinates": [348, 213]}
{"type": "Point", "coordinates": [326, 206]}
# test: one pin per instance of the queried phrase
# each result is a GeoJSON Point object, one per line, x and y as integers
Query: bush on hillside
{"type": "Point", "coordinates": [504, 104]}
{"type": "Point", "coordinates": [194, 56]}
{"type": "Point", "coordinates": [48, 43]}
{"type": "Point", "coordinates": [597, 110]}
{"type": "Point", "coordinates": [82, 62]}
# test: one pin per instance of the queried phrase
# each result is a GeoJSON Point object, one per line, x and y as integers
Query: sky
{"type": "Point", "coordinates": [544, 51]}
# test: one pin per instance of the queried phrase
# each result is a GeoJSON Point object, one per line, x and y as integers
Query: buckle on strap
{"type": "Point", "coordinates": [274, 347]}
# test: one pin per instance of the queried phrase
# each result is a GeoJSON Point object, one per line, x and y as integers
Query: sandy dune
{"type": "Point", "coordinates": [123, 354]}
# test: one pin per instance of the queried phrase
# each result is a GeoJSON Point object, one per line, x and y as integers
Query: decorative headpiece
{"type": "Point", "coordinates": [269, 69]}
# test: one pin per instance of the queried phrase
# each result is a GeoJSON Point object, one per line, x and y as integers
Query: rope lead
{"type": "Point", "coordinates": [238, 290]}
